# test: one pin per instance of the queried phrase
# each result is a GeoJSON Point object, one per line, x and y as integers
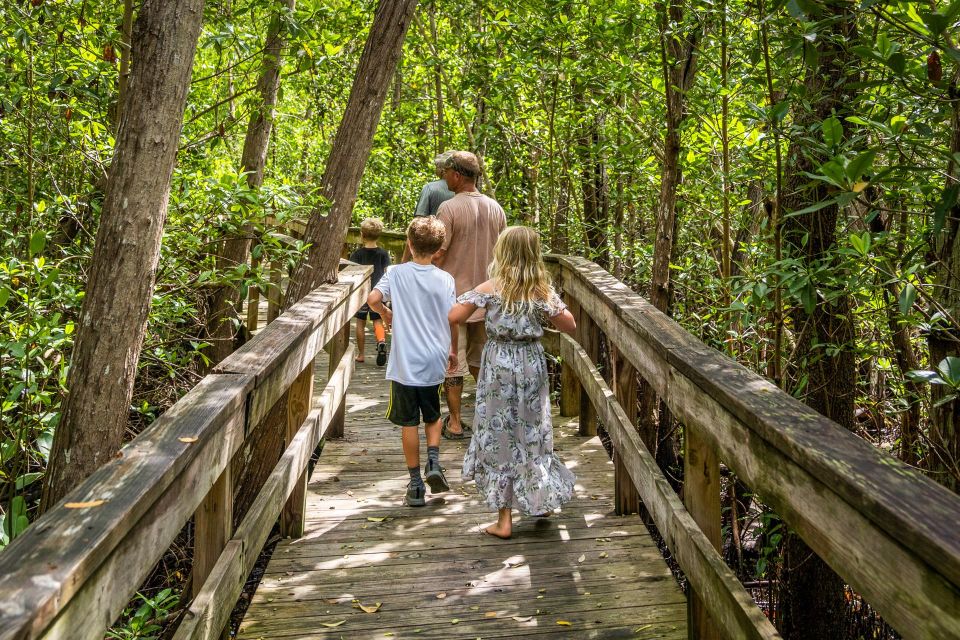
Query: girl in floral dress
{"type": "Point", "coordinates": [511, 454]}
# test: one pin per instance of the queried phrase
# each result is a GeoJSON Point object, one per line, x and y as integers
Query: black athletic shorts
{"type": "Point", "coordinates": [407, 403]}
{"type": "Point", "coordinates": [365, 313]}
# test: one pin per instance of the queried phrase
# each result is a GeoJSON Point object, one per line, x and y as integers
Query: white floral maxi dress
{"type": "Point", "coordinates": [511, 453]}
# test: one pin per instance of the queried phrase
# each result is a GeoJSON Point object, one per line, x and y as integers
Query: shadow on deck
{"type": "Point", "coordinates": [430, 573]}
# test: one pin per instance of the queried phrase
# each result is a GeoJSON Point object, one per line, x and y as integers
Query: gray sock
{"type": "Point", "coordinates": [433, 454]}
{"type": "Point", "coordinates": [415, 478]}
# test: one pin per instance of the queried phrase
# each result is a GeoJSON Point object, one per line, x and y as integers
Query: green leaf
{"type": "Point", "coordinates": [37, 242]}
{"type": "Point", "coordinates": [4, 295]}
{"type": "Point", "coordinates": [832, 131]}
{"type": "Point", "coordinates": [949, 369]}
{"type": "Point", "coordinates": [27, 479]}
{"type": "Point", "coordinates": [908, 296]}
{"type": "Point", "coordinates": [779, 111]}
{"type": "Point", "coordinates": [861, 243]}
{"type": "Point", "coordinates": [925, 376]}
{"type": "Point", "coordinates": [859, 165]}
{"type": "Point", "coordinates": [814, 207]}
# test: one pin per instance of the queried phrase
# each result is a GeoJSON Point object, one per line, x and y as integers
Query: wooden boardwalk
{"type": "Point", "coordinates": [429, 573]}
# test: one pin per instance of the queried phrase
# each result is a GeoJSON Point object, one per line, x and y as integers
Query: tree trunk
{"type": "Point", "coordinates": [944, 457]}
{"type": "Point", "coordinates": [437, 79]}
{"type": "Point", "coordinates": [222, 322]}
{"type": "Point", "coordinates": [678, 57]}
{"type": "Point", "coordinates": [341, 179]}
{"type": "Point", "coordinates": [679, 60]}
{"type": "Point", "coordinates": [811, 594]}
{"type": "Point", "coordinates": [593, 179]}
{"type": "Point", "coordinates": [121, 277]}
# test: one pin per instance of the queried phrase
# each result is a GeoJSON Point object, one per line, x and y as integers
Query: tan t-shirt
{"type": "Point", "coordinates": [473, 222]}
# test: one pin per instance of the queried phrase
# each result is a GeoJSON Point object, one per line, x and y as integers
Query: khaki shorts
{"type": "Point", "coordinates": [473, 335]}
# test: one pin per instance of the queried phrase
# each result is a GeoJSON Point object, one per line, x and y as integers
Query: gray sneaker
{"type": "Point", "coordinates": [433, 476]}
{"type": "Point", "coordinates": [416, 495]}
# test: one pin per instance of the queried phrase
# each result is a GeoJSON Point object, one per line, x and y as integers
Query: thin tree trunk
{"type": "Point", "coordinates": [124, 58]}
{"type": "Point", "coordinates": [679, 61]}
{"type": "Point", "coordinates": [222, 322]}
{"type": "Point", "coordinates": [351, 147]}
{"type": "Point", "coordinates": [944, 457]}
{"type": "Point", "coordinates": [811, 594]}
{"type": "Point", "coordinates": [437, 78]}
{"type": "Point", "coordinates": [120, 283]}
{"type": "Point", "coordinates": [678, 56]}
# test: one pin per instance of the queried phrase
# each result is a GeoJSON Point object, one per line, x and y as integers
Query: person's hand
{"type": "Point", "coordinates": [387, 316]}
{"type": "Point", "coordinates": [452, 362]}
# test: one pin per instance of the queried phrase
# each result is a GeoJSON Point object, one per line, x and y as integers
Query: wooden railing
{"type": "Point", "coordinates": [393, 241]}
{"type": "Point", "coordinates": [890, 532]}
{"type": "Point", "coordinates": [72, 572]}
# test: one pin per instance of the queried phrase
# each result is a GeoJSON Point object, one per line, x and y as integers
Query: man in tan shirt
{"type": "Point", "coordinates": [473, 221]}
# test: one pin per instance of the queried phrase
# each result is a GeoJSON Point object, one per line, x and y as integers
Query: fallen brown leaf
{"type": "Point", "coordinates": [84, 505]}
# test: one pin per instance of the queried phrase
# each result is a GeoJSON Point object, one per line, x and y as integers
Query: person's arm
{"type": "Point", "coordinates": [564, 321]}
{"type": "Point", "coordinates": [375, 302]}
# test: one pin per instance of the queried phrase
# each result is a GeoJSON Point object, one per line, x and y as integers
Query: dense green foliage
{"type": "Point", "coordinates": [547, 92]}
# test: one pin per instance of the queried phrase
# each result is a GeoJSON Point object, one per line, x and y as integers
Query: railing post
{"type": "Point", "coordinates": [588, 335]}
{"type": "Point", "coordinates": [299, 403]}
{"type": "Point", "coordinates": [701, 497]}
{"type": "Point", "coordinates": [626, 499]}
{"type": "Point", "coordinates": [274, 293]}
{"type": "Point", "coordinates": [213, 527]}
{"type": "Point", "coordinates": [335, 349]}
{"type": "Point", "coordinates": [253, 299]}
{"type": "Point", "coordinates": [569, 384]}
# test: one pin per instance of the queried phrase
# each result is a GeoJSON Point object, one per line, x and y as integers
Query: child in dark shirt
{"type": "Point", "coordinates": [371, 254]}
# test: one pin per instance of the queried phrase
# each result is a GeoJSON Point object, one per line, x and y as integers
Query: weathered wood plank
{"type": "Point", "coordinates": [213, 526]}
{"type": "Point", "coordinates": [284, 348]}
{"type": "Point", "coordinates": [909, 507]}
{"type": "Point", "coordinates": [910, 510]}
{"type": "Point", "coordinates": [701, 497]}
{"type": "Point", "coordinates": [730, 605]}
{"type": "Point", "coordinates": [78, 547]}
{"type": "Point", "coordinates": [351, 551]}
{"type": "Point", "coordinates": [253, 531]}
{"type": "Point", "coordinates": [569, 385]}
{"type": "Point", "coordinates": [209, 613]}
{"type": "Point", "coordinates": [918, 601]}
{"type": "Point", "coordinates": [299, 401]}
{"type": "Point", "coordinates": [335, 350]}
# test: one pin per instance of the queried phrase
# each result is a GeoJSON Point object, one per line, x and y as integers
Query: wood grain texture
{"type": "Point", "coordinates": [757, 430]}
{"type": "Point", "coordinates": [362, 543]}
{"type": "Point", "coordinates": [730, 606]}
{"type": "Point", "coordinates": [43, 570]}
{"type": "Point", "coordinates": [210, 610]}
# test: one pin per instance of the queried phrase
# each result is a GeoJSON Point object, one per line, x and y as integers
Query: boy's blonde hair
{"type": "Point", "coordinates": [426, 235]}
{"type": "Point", "coordinates": [522, 277]}
{"type": "Point", "coordinates": [370, 229]}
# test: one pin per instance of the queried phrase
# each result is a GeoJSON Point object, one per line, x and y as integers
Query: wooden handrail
{"type": "Point", "coordinates": [732, 607]}
{"type": "Point", "coordinates": [72, 572]}
{"type": "Point", "coordinates": [884, 527]}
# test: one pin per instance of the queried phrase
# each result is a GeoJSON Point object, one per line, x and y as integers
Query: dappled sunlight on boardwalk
{"type": "Point", "coordinates": [430, 573]}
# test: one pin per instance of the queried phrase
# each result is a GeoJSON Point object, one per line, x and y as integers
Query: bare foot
{"type": "Point", "coordinates": [359, 359]}
{"type": "Point", "coordinates": [497, 531]}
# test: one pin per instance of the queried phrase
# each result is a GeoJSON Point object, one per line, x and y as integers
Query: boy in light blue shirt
{"type": "Point", "coordinates": [421, 296]}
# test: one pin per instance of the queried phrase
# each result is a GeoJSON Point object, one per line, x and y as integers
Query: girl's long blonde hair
{"type": "Point", "coordinates": [521, 277]}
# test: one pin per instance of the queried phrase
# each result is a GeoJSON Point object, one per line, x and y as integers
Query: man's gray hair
{"type": "Point", "coordinates": [440, 160]}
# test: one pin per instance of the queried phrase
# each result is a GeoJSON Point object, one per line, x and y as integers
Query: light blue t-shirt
{"type": "Point", "coordinates": [421, 296]}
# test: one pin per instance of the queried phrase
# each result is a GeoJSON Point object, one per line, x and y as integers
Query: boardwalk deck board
{"type": "Point", "coordinates": [434, 573]}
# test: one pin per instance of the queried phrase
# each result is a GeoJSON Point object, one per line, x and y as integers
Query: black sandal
{"type": "Point", "coordinates": [450, 435]}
